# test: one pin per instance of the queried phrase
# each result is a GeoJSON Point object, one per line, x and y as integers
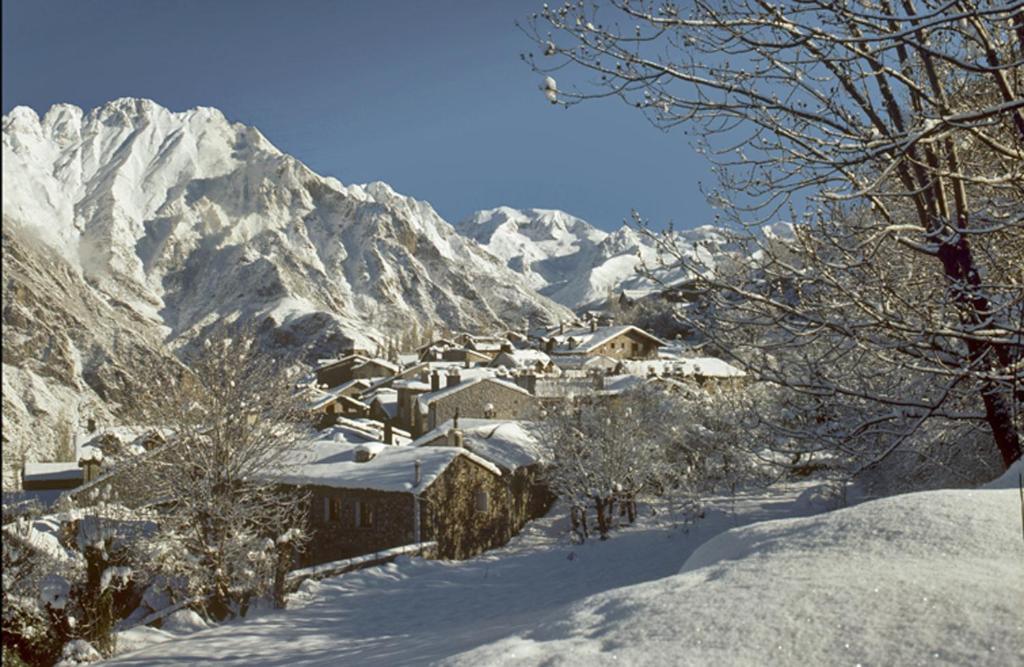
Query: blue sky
{"type": "Point", "coordinates": [430, 97]}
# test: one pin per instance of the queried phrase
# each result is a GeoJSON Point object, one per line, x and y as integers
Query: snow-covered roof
{"type": "Point", "coordinates": [637, 294]}
{"type": "Point", "coordinates": [618, 383]}
{"type": "Point", "coordinates": [685, 367]}
{"type": "Point", "coordinates": [50, 472]}
{"type": "Point", "coordinates": [584, 340]}
{"type": "Point", "coordinates": [392, 468]}
{"type": "Point", "coordinates": [387, 399]}
{"type": "Point", "coordinates": [348, 359]}
{"type": "Point", "coordinates": [322, 397]}
{"type": "Point", "coordinates": [521, 358]}
{"type": "Point", "coordinates": [508, 443]}
{"type": "Point", "coordinates": [570, 361]}
{"type": "Point", "coordinates": [358, 431]}
{"type": "Point", "coordinates": [383, 363]}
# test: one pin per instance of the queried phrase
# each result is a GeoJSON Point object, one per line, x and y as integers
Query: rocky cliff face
{"type": "Point", "coordinates": [131, 229]}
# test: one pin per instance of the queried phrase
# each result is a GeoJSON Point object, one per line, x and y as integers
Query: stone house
{"type": "Point", "coordinates": [482, 398]}
{"type": "Point", "coordinates": [512, 446]}
{"type": "Point", "coordinates": [617, 342]}
{"type": "Point", "coordinates": [465, 355]}
{"type": "Point", "coordinates": [371, 497]}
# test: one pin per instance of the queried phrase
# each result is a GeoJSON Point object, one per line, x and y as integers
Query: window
{"type": "Point", "coordinates": [482, 501]}
{"type": "Point", "coordinates": [364, 514]}
{"type": "Point", "coordinates": [332, 509]}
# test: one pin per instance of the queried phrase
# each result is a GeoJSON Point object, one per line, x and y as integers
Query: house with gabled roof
{"type": "Point", "coordinates": [514, 447]}
{"type": "Point", "coordinates": [531, 360]}
{"type": "Point", "coordinates": [618, 342]}
{"type": "Point", "coordinates": [368, 496]}
{"type": "Point", "coordinates": [484, 397]}
{"type": "Point", "coordinates": [331, 373]}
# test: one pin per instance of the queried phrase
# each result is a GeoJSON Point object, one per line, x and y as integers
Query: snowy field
{"type": "Point", "coordinates": [927, 578]}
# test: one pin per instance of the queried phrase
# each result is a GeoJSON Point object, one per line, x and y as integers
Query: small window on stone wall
{"type": "Point", "coordinates": [483, 501]}
{"type": "Point", "coordinates": [364, 515]}
{"type": "Point", "coordinates": [334, 509]}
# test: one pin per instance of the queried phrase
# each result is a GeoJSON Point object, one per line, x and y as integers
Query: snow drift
{"type": "Point", "coordinates": [927, 578]}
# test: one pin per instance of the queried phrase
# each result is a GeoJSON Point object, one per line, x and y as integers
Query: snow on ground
{"type": "Point", "coordinates": [415, 611]}
{"type": "Point", "coordinates": [924, 578]}
{"type": "Point", "coordinates": [934, 577]}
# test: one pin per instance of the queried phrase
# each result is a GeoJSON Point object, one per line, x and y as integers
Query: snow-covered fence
{"type": "Point", "coordinates": [334, 568]}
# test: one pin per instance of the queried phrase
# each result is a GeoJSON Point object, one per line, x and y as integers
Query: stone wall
{"type": "Point", "coordinates": [508, 403]}
{"type": "Point", "coordinates": [451, 513]}
{"type": "Point", "coordinates": [334, 539]}
{"type": "Point", "coordinates": [629, 345]}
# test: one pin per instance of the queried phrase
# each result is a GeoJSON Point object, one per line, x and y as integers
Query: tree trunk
{"type": "Point", "coordinates": [964, 283]}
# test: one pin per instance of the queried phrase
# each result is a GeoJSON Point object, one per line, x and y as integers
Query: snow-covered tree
{"type": "Point", "coordinates": [892, 134]}
{"type": "Point", "coordinates": [607, 451]}
{"type": "Point", "coordinates": [225, 520]}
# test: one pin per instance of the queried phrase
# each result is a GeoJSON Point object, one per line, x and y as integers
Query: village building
{"type": "Point", "coordinates": [618, 342]}
{"type": "Point", "coordinates": [489, 346]}
{"type": "Point", "coordinates": [579, 363]}
{"type": "Point", "coordinates": [482, 397]}
{"type": "Point", "coordinates": [335, 372]}
{"type": "Point", "coordinates": [460, 354]}
{"type": "Point", "coordinates": [430, 377]}
{"type": "Point", "coordinates": [367, 497]}
{"type": "Point", "coordinates": [383, 404]}
{"type": "Point", "coordinates": [54, 476]}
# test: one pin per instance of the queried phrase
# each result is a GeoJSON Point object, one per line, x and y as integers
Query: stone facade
{"type": "Point", "coordinates": [467, 510]}
{"type": "Point", "coordinates": [336, 533]}
{"type": "Point", "coordinates": [627, 345]}
{"type": "Point", "coordinates": [487, 399]}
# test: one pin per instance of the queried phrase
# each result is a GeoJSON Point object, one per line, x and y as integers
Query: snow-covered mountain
{"type": "Point", "coordinates": [571, 261]}
{"type": "Point", "coordinates": [129, 229]}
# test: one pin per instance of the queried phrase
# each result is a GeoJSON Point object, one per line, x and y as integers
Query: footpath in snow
{"type": "Point", "coordinates": [925, 578]}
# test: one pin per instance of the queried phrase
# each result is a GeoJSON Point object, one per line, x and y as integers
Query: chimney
{"type": "Point", "coordinates": [453, 378]}
{"type": "Point", "coordinates": [389, 435]}
{"type": "Point", "coordinates": [455, 437]}
{"type": "Point", "coordinates": [593, 324]}
{"type": "Point", "coordinates": [435, 380]}
{"type": "Point", "coordinates": [419, 472]}
{"type": "Point", "coordinates": [89, 462]}
{"type": "Point", "coordinates": [561, 328]}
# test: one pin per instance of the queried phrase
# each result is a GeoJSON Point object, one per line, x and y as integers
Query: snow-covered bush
{"type": "Point", "coordinates": [67, 577]}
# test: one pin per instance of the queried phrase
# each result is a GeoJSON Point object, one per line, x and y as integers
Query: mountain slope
{"type": "Point", "coordinates": [183, 220]}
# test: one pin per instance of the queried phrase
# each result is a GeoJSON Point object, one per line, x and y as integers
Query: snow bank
{"type": "Point", "coordinates": [934, 577]}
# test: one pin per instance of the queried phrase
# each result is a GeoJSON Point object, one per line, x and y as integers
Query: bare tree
{"type": "Point", "coordinates": [227, 525]}
{"type": "Point", "coordinates": [892, 133]}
